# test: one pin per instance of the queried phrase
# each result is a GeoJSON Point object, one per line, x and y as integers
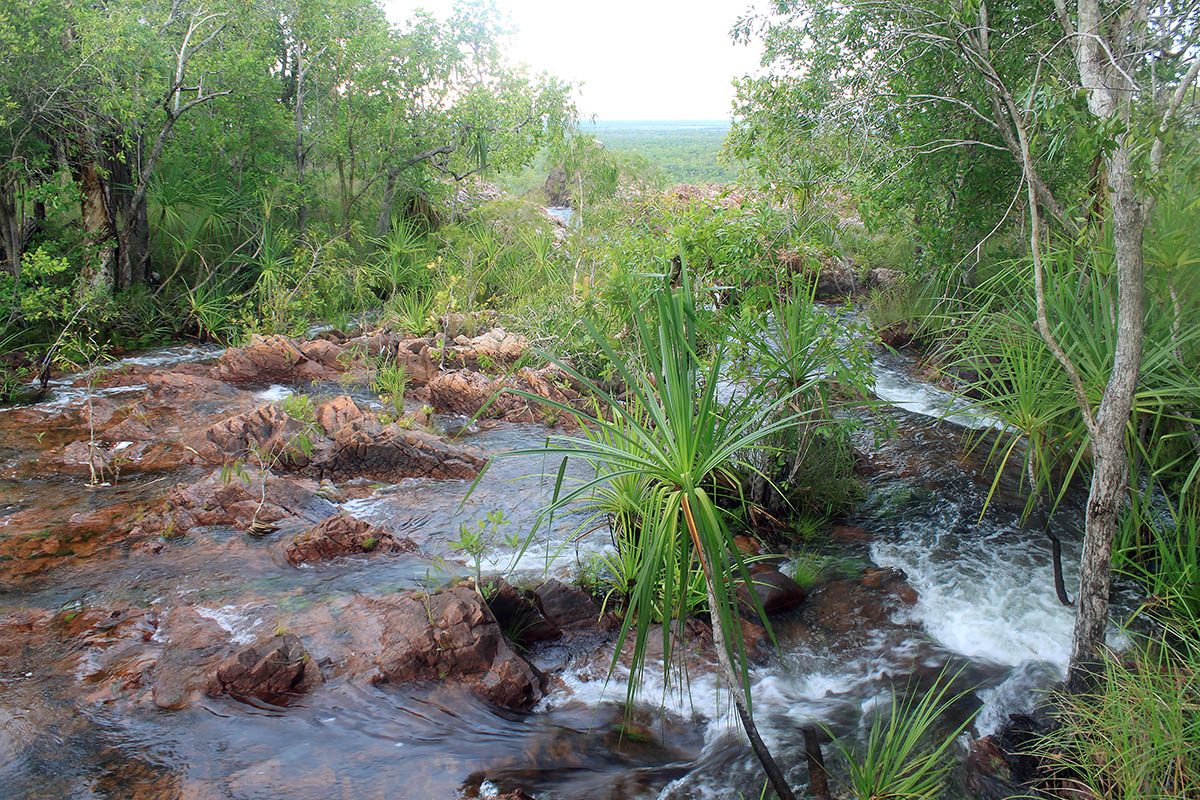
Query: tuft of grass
{"type": "Point", "coordinates": [905, 756]}
{"type": "Point", "coordinates": [390, 382]}
{"type": "Point", "coordinates": [1137, 736]}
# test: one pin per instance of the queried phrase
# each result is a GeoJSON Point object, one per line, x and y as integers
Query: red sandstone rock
{"type": "Point", "coordinates": [342, 535]}
{"type": "Point", "coordinates": [448, 635]}
{"type": "Point", "coordinates": [463, 392]}
{"type": "Point", "coordinates": [274, 670]}
{"type": "Point", "coordinates": [273, 358]}
{"type": "Point", "coordinates": [363, 447]}
{"type": "Point", "coordinates": [266, 429]}
{"type": "Point", "coordinates": [194, 646]}
{"type": "Point", "coordinates": [235, 500]}
{"type": "Point", "coordinates": [335, 414]}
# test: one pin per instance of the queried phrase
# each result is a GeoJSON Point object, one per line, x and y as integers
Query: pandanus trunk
{"type": "Point", "coordinates": [774, 774]}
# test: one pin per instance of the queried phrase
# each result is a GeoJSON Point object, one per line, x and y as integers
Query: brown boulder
{"type": "Point", "coordinates": [566, 606]}
{"type": "Point", "coordinates": [897, 335]}
{"type": "Point", "coordinates": [273, 670]}
{"type": "Point", "coordinates": [194, 646]}
{"type": "Point", "coordinates": [517, 615]}
{"type": "Point", "coordinates": [325, 353]}
{"type": "Point", "coordinates": [414, 356]}
{"type": "Point", "coordinates": [776, 592]}
{"type": "Point", "coordinates": [364, 448]}
{"type": "Point", "coordinates": [496, 349]}
{"type": "Point", "coordinates": [464, 392]}
{"type": "Point", "coordinates": [270, 358]}
{"type": "Point", "coordinates": [335, 414]}
{"type": "Point", "coordinates": [448, 635]}
{"type": "Point", "coordinates": [342, 535]}
{"type": "Point", "coordinates": [266, 429]}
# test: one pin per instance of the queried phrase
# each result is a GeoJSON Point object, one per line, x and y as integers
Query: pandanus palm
{"type": "Point", "coordinates": [674, 431]}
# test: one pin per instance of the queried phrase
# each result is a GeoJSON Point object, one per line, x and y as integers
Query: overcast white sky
{"type": "Point", "coordinates": [636, 59]}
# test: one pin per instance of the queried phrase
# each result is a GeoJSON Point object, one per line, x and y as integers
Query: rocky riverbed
{"type": "Point", "coordinates": [207, 590]}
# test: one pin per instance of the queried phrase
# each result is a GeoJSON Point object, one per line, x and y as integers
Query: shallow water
{"type": "Point", "coordinates": [985, 606]}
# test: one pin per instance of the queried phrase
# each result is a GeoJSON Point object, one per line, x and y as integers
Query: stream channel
{"type": "Point", "coordinates": [984, 607]}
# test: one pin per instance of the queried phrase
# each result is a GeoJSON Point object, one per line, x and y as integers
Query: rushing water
{"type": "Point", "coordinates": [985, 609]}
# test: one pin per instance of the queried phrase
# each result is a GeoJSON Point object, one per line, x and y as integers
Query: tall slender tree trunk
{"type": "Point", "coordinates": [385, 207]}
{"type": "Point", "coordinates": [11, 230]}
{"type": "Point", "coordinates": [301, 151]}
{"type": "Point", "coordinates": [1110, 470]}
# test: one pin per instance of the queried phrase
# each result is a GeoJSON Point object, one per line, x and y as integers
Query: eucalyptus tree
{"type": "Point", "coordinates": [1084, 99]}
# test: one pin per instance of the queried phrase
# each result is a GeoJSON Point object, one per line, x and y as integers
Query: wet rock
{"type": "Point", "coordinates": [235, 499]}
{"type": "Point", "coordinates": [266, 429]}
{"type": "Point", "coordinates": [364, 448]}
{"type": "Point", "coordinates": [852, 533]}
{"type": "Point", "coordinates": [465, 393]}
{"type": "Point", "coordinates": [274, 670]}
{"type": "Point", "coordinates": [566, 606]}
{"type": "Point", "coordinates": [342, 535]}
{"type": "Point", "coordinates": [897, 335]}
{"type": "Point", "coordinates": [517, 614]}
{"type": "Point", "coordinates": [892, 581]}
{"type": "Point", "coordinates": [174, 388]}
{"type": "Point", "coordinates": [194, 646]}
{"type": "Point", "coordinates": [22, 632]}
{"type": "Point", "coordinates": [988, 774]}
{"type": "Point", "coordinates": [333, 415]}
{"type": "Point", "coordinates": [776, 592]}
{"type": "Point", "coordinates": [449, 635]}
{"type": "Point", "coordinates": [843, 606]}
{"type": "Point", "coordinates": [270, 358]}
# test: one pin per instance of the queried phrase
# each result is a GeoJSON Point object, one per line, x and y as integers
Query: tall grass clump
{"type": "Point", "coordinates": [905, 756]}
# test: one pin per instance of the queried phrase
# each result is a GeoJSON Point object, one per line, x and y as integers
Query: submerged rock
{"type": "Point", "coordinates": [236, 499]}
{"type": "Point", "coordinates": [342, 535]}
{"type": "Point", "coordinates": [274, 670]}
{"type": "Point", "coordinates": [194, 646]}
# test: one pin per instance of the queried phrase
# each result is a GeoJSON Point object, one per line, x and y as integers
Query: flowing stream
{"type": "Point", "coordinates": [985, 609]}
